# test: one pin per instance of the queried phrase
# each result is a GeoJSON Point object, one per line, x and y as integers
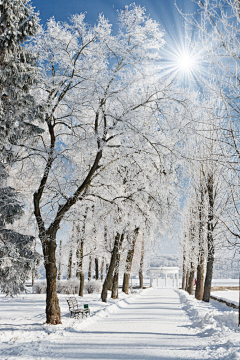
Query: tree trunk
{"type": "Point", "coordinates": [141, 265]}
{"type": "Point", "coordinates": [80, 252]}
{"type": "Point", "coordinates": [187, 280]}
{"type": "Point", "coordinates": [191, 280]}
{"type": "Point", "coordinates": [184, 275]}
{"type": "Point", "coordinates": [96, 269]}
{"type": "Point", "coordinates": [126, 281]}
{"type": "Point", "coordinates": [90, 268]}
{"type": "Point", "coordinates": [109, 277]}
{"type": "Point", "coordinates": [34, 266]}
{"type": "Point", "coordinates": [111, 280]}
{"type": "Point", "coordinates": [102, 268]}
{"type": "Point", "coordinates": [210, 241]}
{"type": "Point", "coordinates": [129, 260]}
{"type": "Point", "coordinates": [114, 294]}
{"type": "Point", "coordinates": [33, 276]}
{"type": "Point", "coordinates": [81, 287]}
{"type": "Point", "coordinates": [69, 274]}
{"type": "Point", "coordinates": [53, 311]}
{"type": "Point", "coordinates": [80, 273]}
{"type": "Point", "coordinates": [201, 256]}
{"type": "Point", "coordinates": [209, 273]}
{"type": "Point", "coordinates": [184, 278]}
{"type": "Point", "coordinates": [200, 280]}
{"type": "Point", "coordinates": [60, 261]}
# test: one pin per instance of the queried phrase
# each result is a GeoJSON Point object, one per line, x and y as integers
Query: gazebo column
{"type": "Point", "coordinates": [177, 280]}
{"type": "Point", "coordinates": [165, 279]}
{"type": "Point", "coordinates": [151, 278]}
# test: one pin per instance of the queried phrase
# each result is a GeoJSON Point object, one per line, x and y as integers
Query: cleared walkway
{"type": "Point", "coordinates": [153, 327]}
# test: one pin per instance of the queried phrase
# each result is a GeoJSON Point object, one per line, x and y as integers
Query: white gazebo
{"type": "Point", "coordinates": [156, 271]}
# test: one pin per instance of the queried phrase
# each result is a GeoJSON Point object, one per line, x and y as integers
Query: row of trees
{"type": "Point", "coordinates": [212, 213]}
{"type": "Point", "coordinates": [101, 154]}
{"type": "Point", "coordinates": [94, 132]}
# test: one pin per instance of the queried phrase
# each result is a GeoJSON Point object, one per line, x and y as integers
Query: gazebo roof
{"type": "Point", "coordinates": [164, 269]}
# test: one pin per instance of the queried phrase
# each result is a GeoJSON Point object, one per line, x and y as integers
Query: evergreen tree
{"type": "Point", "coordinates": [18, 70]}
{"type": "Point", "coordinates": [18, 73]}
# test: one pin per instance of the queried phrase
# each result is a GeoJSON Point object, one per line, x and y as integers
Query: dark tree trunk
{"type": "Point", "coordinates": [33, 276]}
{"type": "Point", "coordinates": [81, 287]}
{"type": "Point", "coordinates": [96, 269]}
{"type": "Point", "coordinates": [102, 269]}
{"type": "Point", "coordinates": [80, 273]}
{"type": "Point", "coordinates": [129, 260]}
{"type": "Point", "coordinates": [111, 280]}
{"type": "Point", "coordinates": [126, 281]}
{"type": "Point", "coordinates": [53, 311]}
{"type": "Point", "coordinates": [69, 274]}
{"type": "Point", "coordinates": [141, 265]}
{"type": "Point", "coordinates": [201, 256]}
{"type": "Point", "coordinates": [90, 268]}
{"type": "Point", "coordinates": [114, 294]}
{"type": "Point", "coordinates": [209, 273]}
{"type": "Point", "coordinates": [210, 242]}
{"type": "Point", "coordinates": [191, 280]}
{"type": "Point", "coordinates": [52, 305]}
{"type": "Point", "coordinates": [60, 261]}
{"type": "Point", "coordinates": [184, 278]}
{"type": "Point", "coordinates": [109, 277]}
{"type": "Point", "coordinates": [80, 253]}
{"type": "Point", "coordinates": [184, 275]}
{"type": "Point", "coordinates": [187, 279]}
{"type": "Point", "coordinates": [34, 266]}
{"type": "Point", "coordinates": [200, 280]}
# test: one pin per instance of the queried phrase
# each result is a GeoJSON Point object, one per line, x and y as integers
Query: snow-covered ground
{"type": "Point", "coordinates": [231, 296]}
{"type": "Point", "coordinates": [217, 323]}
{"type": "Point", "coordinates": [225, 282]}
{"type": "Point", "coordinates": [155, 324]}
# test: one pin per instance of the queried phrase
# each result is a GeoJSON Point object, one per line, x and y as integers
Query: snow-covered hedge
{"type": "Point", "coordinates": [39, 287]}
{"type": "Point", "coordinates": [93, 286]}
{"type": "Point", "coordinates": [68, 287]}
{"type": "Point", "coordinates": [63, 287]}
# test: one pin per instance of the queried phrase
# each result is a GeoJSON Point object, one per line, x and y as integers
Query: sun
{"type": "Point", "coordinates": [185, 62]}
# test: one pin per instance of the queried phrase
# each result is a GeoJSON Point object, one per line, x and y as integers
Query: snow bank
{"type": "Point", "coordinates": [216, 320]}
{"type": "Point", "coordinates": [204, 314]}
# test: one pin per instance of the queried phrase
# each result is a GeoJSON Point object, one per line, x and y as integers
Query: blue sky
{"type": "Point", "coordinates": [163, 11]}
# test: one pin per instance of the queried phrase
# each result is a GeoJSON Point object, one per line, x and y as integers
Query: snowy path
{"type": "Point", "coordinates": [152, 326]}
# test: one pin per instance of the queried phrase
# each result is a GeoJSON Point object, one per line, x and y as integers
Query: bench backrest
{"type": "Point", "coordinates": [72, 303]}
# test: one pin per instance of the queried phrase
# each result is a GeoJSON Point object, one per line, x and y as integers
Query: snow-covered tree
{"type": "Point", "coordinates": [216, 28]}
{"type": "Point", "coordinates": [18, 68]}
{"type": "Point", "coordinates": [99, 89]}
{"type": "Point", "coordinates": [18, 109]}
{"type": "Point", "coordinates": [205, 155]}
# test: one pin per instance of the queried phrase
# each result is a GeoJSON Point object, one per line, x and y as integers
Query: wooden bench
{"type": "Point", "coordinates": [74, 309]}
